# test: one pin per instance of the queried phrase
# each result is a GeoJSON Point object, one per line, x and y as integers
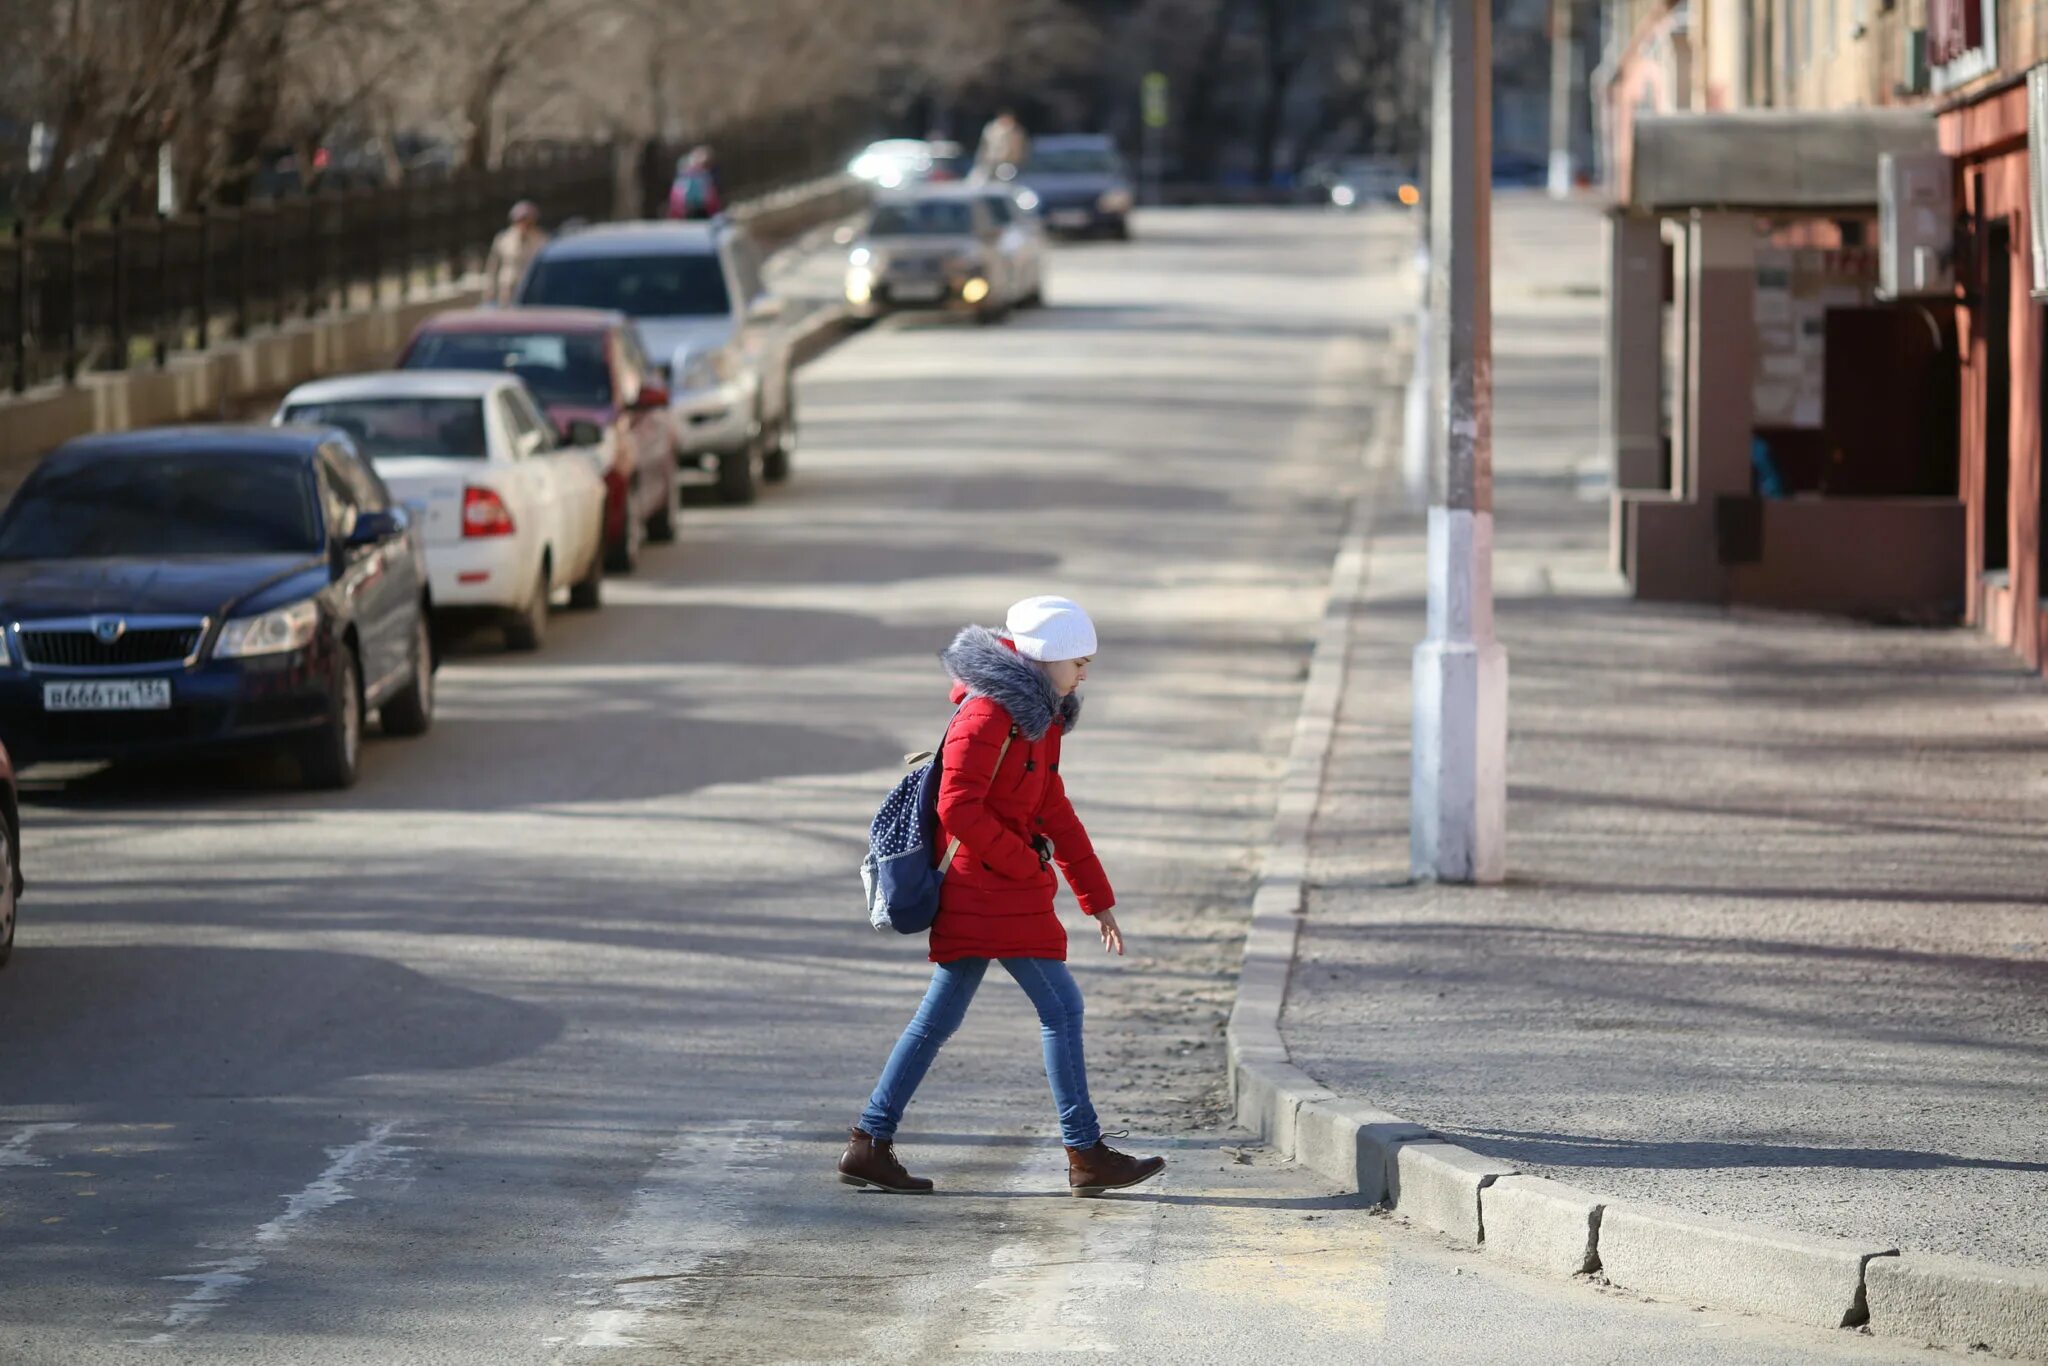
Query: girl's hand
{"type": "Point", "coordinates": [1112, 937]}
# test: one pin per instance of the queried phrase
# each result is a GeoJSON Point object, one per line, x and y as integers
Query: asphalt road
{"type": "Point", "coordinates": [539, 1045]}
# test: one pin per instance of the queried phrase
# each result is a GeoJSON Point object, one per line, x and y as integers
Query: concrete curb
{"type": "Point", "coordinates": [1951, 1302]}
{"type": "Point", "coordinates": [1535, 1223]}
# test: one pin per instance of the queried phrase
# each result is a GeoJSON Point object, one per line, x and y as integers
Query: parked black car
{"type": "Point", "coordinates": [10, 856]}
{"type": "Point", "coordinates": [199, 588]}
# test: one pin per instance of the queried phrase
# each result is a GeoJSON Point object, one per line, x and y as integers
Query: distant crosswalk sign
{"type": "Point", "coordinates": [1155, 99]}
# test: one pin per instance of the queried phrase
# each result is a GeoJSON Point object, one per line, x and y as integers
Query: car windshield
{"type": "Point", "coordinates": [558, 367]}
{"type": "Point", "coordinates": [682, 284]}
{"type": "Point", "coordinates": [187, 503]}
{"type": "Point", "coordinates": [924, 218]}
{"type": "Point", "coordinates": [1074, 161]}
{"type": "Point", "coordinates": [451, 427]}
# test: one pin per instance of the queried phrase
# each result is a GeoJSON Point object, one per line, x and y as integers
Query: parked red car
{"type": "Point", "coordinates": [584, 365]}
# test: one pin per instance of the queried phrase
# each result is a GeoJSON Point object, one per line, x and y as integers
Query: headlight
{"type": "Point", "coordinates": [288, 628]}
{"type": "Point", "coordinates": [1026, 200]}
{"type": "Point", "coordinates": [859, 256]}
{"type": "Point", "coordinates": [860, 284]}
{"type": "Point", "coordinates": [1343, 196]}
{"type": "Point", "coordinates": [1114, 201]}
{"type": "Point", "coordinates": [702, 375]}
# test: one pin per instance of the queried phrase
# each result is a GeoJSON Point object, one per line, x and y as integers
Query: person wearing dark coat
{"type": "Point", "coordinates": [1001, 798]}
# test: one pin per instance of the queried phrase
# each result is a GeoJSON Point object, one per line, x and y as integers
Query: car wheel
{"type": "Point", "coordinates": [623, 555]}
{"type": "Point", "coordinates": [331, 757]}
{"type": "Point", "coordinates": [736, 475]}
{"type": "Point", "coordinates": [587, 593]}
{"type": "Point", "coordinates": [10, 886]}
{"type": "Point", "coordinates": [410, 710]}
{"type": "Point", "coordinates": [775, 468]}
{"type": "Point", "coordinates": [661, 527]}
{"type": "Point", "coordinates": [1122, 231]}
{"type": "Point", "coordinates": [529, 626]}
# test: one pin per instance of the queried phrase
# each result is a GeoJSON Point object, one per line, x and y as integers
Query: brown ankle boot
{"type": "Point", "coordinates": [1091, 1171]}
{"type": "Point", "coordinates": [872, 1163]}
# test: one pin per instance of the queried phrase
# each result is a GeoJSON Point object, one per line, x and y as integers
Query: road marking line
{"type": "Point", "coordinates": [689, 1207]}
{"type": "Point", "coordinates": [1051, 1293]}
{"type": "Point", "coordinates": [218, 1282]}
{"type": "Point", "coordinates": [14, 1152]}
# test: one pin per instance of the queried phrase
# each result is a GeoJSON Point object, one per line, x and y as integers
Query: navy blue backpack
{"type": "Point", "coordinates": [901, 878]}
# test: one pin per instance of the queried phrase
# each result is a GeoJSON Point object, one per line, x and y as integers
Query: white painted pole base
{"type": "Point", "coordinates": [1458, 763]}
{"type": "Point", "coordinates": [1415, 419]}
{"type": "Point", "coordinates": [1560, 179]}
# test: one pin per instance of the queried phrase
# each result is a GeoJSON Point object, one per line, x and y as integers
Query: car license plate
{"type": "Point", "coordinates": [1070, 218]}
{"type": "Point", "coordinates": [917, 291]}
{"type": "Point", "coordinates": [135, 694]}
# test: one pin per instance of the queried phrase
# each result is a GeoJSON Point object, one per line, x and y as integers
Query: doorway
{"type": "Point", "coordinates": [1997, 315]}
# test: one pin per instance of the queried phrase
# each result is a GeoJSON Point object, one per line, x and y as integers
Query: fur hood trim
{"type": "Point", "coordinates": [987, 665]}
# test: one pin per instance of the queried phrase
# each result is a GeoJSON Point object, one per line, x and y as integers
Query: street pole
{"type": "Point", "coordinates": [1560, 99]}
{"type": "Point", "coordinates": [1153, 116]}
{"type": "Point", "coordinates": [1458, 765]}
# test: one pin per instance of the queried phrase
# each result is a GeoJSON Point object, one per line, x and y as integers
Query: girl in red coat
{"type": "Point", "coordinates": [1001, 798]}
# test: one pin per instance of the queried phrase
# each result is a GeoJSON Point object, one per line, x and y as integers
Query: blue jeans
{"type": "Point", "coordinates": [1052, 990]}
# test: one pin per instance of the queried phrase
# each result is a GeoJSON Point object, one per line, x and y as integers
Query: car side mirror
{"type": "Point", "coordinates": [372, 528]}
{"type": "Point", "coordinates": [582, 432]}
{"type": "Point", "coordinates": [651, 397]}
{"type": "Point", "coordinates": [679, 362]}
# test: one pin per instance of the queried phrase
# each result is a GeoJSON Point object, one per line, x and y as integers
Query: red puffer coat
{"type": "Point", "coordinates": [996, 901]}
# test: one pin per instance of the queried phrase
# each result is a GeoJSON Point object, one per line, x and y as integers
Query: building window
{"type": "Point", "coordinates": [1962, 40]}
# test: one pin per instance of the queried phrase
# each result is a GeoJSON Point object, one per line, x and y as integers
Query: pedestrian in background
{"type": "Point", "coordinates": [1002, 798]}
{"type": "Point", "coordinates": [694, 192]}
{"type": "Point", "coordinates": [512, 251]}
{"type": "Point", "coordinates": [1003, 143]}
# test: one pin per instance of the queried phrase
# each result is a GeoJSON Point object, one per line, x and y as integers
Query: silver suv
{"type": "Point", "coordinates": [695, 294]}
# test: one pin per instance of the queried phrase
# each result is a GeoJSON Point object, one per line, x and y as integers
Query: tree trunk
{"type": "Point", "coordinates": [1198, 129]}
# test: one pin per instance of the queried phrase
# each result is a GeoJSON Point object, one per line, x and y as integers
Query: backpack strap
{"type": "Point", "coordinates": [953, 846]}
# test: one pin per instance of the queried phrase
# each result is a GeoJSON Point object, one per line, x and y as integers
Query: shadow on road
{"type": "Point", "coordinates": [203, 1022]}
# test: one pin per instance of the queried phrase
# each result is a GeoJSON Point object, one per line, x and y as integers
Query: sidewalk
{"type": "Point", "coordinates": [1774, 945]}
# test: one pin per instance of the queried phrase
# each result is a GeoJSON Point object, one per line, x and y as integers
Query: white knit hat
{"type": "Point", "coordinates": [1049, 629]}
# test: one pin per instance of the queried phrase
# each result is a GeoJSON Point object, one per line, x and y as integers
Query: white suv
{"type": "Point", "coordinates": [695, 294]}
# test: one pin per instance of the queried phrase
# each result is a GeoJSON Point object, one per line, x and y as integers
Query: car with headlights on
{"type": "Point", "coordinates": [958, 247]}
{"type": "Point", "coordinates": [583, 365]}
{"type": "Point", "coordinates": [200, 588]}
{"type": "Point", "coordinates": [507, 513]}
{"type": "Point", "coordinates": [892, 162]}
{"type": "Point", "coordinates": [697, 297]}
{"type": "Point", "coordinates": [1353, 182]}
{"type": "Point", "coordinates": [1081, 185]}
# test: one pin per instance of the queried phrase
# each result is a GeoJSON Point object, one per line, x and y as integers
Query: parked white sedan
{"type": "Point", "coordinates": [508, 512]}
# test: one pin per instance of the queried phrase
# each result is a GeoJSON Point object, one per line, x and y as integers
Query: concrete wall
{"type": "Point", "coordinates": [1886, 558]}
{"type": "Point", "coordinates": [1993, 184]}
